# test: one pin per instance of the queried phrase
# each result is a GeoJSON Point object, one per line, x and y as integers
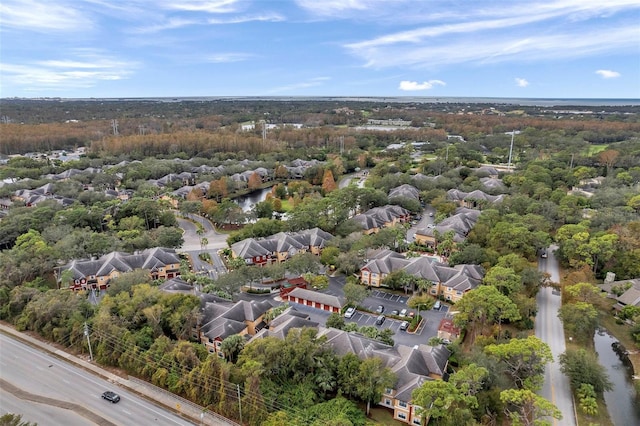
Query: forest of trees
{"type": "Point", "coordinates": [497, 368]}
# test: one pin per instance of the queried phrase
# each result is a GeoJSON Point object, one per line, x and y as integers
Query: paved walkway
{"type": "Point", "coordinates": [187, 409]}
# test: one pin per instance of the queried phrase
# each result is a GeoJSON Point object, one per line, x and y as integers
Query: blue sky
{"type": "Point", "coordinates": [438, 48]}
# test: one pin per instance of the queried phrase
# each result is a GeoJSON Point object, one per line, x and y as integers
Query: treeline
{"type": "Point", "coordinates": [145, 332]}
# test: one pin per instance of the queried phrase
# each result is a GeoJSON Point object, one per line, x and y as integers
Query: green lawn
{"type": "Point", "coordinates": [594, 149]}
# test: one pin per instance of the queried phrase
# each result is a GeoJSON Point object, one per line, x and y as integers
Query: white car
{"type": "Point", "coordinates": [349, 313]}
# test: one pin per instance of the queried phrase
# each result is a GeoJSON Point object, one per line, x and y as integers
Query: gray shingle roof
{"type": "Point", "coordinates": [326, 299]}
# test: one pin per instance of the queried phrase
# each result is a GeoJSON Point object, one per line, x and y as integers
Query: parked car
{"type": "Point", "coordinates": [403, 313]}
{"type": "Point", "coordinates": [543, 254]}
{"type": "Point", "coordinates": [437, 305]}
{"type": "Point", "coordinates": [412, 314]}
{"type": "Point", "coordinates": [350, 312]}
{"type": "Point", "coordinates": [111, 396]}
{"type": "Point", "coordinates": [404, 325]}
{"type": "Point", "coordinates": [380, 320]}
{"type": "Point", "coordinates": [430, 214]}
{"type": "Point", "coordinates": [395, 312]}
{"type": "Point", "coordinates": [380, 309]}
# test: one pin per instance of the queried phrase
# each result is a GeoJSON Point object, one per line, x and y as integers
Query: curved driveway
{"type": "Point", "coordinates": [549, 328]}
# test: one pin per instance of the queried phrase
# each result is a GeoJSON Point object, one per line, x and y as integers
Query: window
{"type": "Point", "coordinates": [387, 402]}
{"type": "Point", "coordinates": [388, 391]}
{"type": "Point", "coordinates": [402, 416]}
{"type": "Point", "coordinates": [210, 340]}
{"type": "Point", "coordinates": [402, 404]}
{"type": "Point", "coordinates": [416, 421]}
{"type": "Point", "coordinates": [459, 293]}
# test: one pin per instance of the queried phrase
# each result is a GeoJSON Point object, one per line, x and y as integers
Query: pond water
{"type": "Point", "coordinates": [622, 401]}
{"type": "Point", "coordinates": [248, 201]}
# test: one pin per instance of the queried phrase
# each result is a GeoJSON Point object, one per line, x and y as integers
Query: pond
{"type": "Point", "coordinates": [622, 402]}
{"type": "Point", "coordinates": [251, 199]}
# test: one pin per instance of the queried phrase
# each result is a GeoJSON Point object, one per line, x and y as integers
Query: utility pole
{"type": "Point", "coordinates": [571, 165]}
{"type": "Point", "coordinates": [114, 126]}
{"type": "Point", "coordinates": [239, 403]}
{"type": "Point", "coordinates": [341, 145]}
{"type": "Point", "coordinates": [513, 133]}
{"type": "Point", "coordinates": [86, 333]}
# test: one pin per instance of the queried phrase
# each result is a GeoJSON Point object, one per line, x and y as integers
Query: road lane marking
{"type": "Point", "coordinates": [72, 368]}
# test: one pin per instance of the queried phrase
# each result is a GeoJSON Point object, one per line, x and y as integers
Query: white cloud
{"type": "Point", "coordinates": [84, 70]}
{"type": "Point", "coordinates": [313, 82]}
{"type": "Point", "coordinates": [608, 73]}
{"type": "Point", "coordinates": [480, 32]}
{"type": "Point", "coordinates": [522, 82]}
{"type": "Point", "coordinates": [492, 48]}
{"type": "Point", "coordinates": [333, 7]}
{"type": "Point", "coordinates": [414, 85]}
{"type": "Point", "coordinates": [207, 6]}
{"type": "Point", "coordinates": [220, 58]}
{"type": "Point", "coordinates": [268, 17]}
{"type": "Point", "coordinates": [42, 15]}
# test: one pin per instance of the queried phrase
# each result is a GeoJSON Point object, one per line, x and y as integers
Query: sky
{"type": "Point", "coordinates": [432, 48]}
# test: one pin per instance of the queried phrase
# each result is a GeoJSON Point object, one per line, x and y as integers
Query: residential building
{"type": "Point", "coordinates": [473, 200]}
{"type": "Point", "coordinates": [447, 282]}
{"type": "Point", "coordinates": [412, 365]}
{"type": "Point", "coordinates": [461, 223]}
{"type": "Point", "coordinates": [381, 217]}
{"type": "Point", "coordinates": [221, 318]}
{"type": "Point", "coordinates": [280, 247]}
{"type": "Point", "coordinates": [161, 263]}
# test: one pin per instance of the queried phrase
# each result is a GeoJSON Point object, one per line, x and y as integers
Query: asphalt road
{"type": "Point", "coordinates": [556, 386]}
{"type": "Point", "coordinates": [192, 245]}
{"type": "Point", "coordinates": [422, 223]}
{"type": "Point", "coordinates": [41, 414]}
{"type": "Point", "coordinates": [41, 374]}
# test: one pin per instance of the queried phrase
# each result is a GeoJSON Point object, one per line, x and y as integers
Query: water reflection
{"type": "Point", "coordinates": [622, 402]}
{"type": "Point", "coordinates": [248, 201]}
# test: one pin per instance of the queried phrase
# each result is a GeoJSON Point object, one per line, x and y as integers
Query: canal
{"type": "Point", "coordinates": [622, 401]}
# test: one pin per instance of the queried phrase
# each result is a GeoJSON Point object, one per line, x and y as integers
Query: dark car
{"type": "Point", "coordinates": [111, 396]}
{"type": "Point", "coordinates": [380, 320]}
{"type": "Point", "coordinates": [380, 309]}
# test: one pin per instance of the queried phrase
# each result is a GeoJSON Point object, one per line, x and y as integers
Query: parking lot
{"type": "Point", "coordinates": [389, 296]}
{"type": "Point", "coordinates": [364, 318]}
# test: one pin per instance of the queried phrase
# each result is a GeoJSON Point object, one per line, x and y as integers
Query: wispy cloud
{"type": "Point", "coordinates": [313, 82]}
{"type": "Point", "coordinates": [333, 7]}
{"type": "Point", "coordinates": [508, 32]}
{"type": "Point", "coordinates": [492, 48]}
{"type": "Point", "coordinates": [268, 17]}
{"type": "Point", "coordinates": [521, 82]}
{"type": "Point", "coordinates": [425, 85]}
{"type": "Point", "coordinates": [219, 58]}
{"type": "Point", "coordinates": [85, 69]}
{"type": "Point", "coordinates": [608, 73]}
{"type": "Point", "coordinates": [208, 6]}
{"type": "Point", "coordinates": [42, 16]}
